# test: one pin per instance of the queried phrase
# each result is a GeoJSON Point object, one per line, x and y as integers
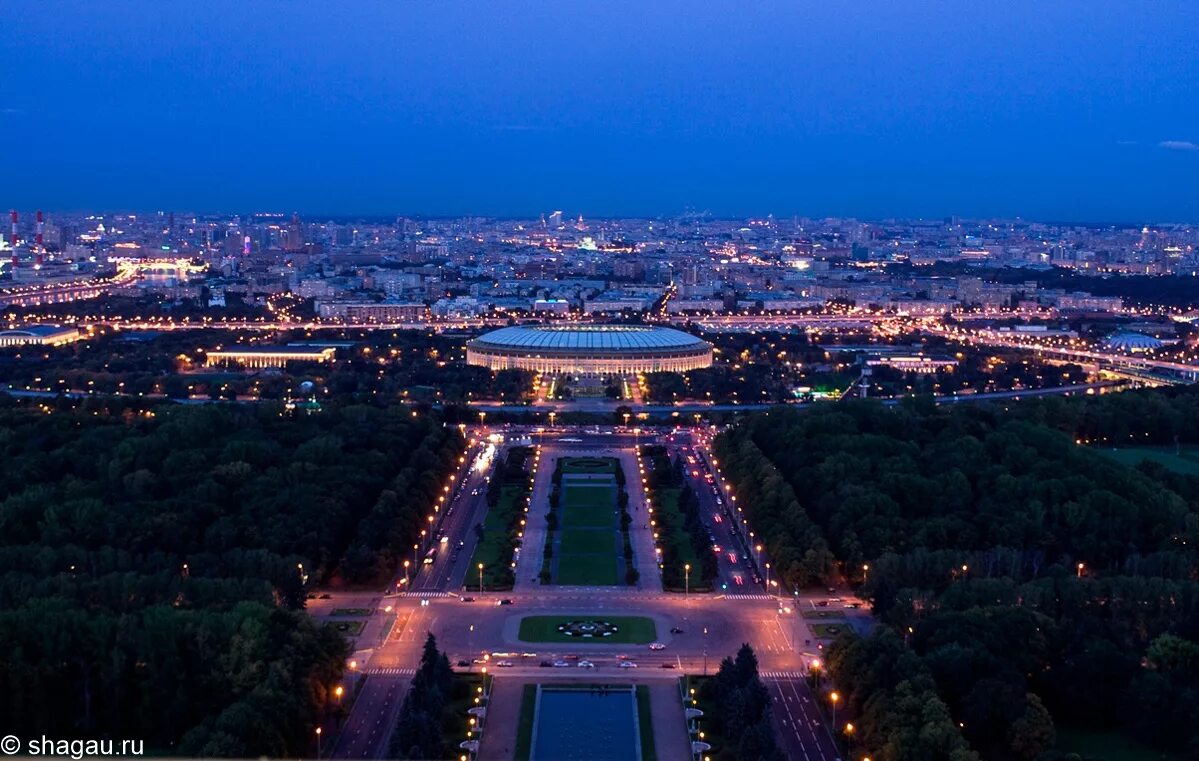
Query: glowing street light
{"type": "Point", "coordinates": [686, 580]}
{"type": "Point", "coordinates": [834, 697]}
{"type": "Point", "coordinates": [480, 578]}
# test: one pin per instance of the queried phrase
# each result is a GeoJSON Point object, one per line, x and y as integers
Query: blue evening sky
{"type": "Point", "coordinates": [1053, 109]}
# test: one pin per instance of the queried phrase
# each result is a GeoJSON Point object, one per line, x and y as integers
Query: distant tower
{"type": "Point", "coordinates": [13, 240]}
{"type": "Point", "coordinates": [246, 246]}
{"type": "Point", "coordinates": [39, 231]}
{"type": "Point", "coordinates": [293, 240]}
{"type": "Point", "coordinates": [556, 220]}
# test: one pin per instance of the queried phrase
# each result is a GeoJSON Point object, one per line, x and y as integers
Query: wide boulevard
{"type": "Point", "coordinates": [475, 627]}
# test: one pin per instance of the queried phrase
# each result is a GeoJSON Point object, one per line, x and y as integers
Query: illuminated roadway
{"type": "Point", "coordinates": [713, 626]}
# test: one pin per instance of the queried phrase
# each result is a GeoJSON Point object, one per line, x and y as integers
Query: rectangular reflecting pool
{"type": "Point", "coordinates": [586, 723]}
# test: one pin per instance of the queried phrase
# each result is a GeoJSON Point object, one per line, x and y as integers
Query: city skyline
{"type": "Point", "coordinates": [1076, 112]}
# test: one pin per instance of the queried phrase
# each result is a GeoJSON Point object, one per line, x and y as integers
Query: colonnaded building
{"type": "Point", "coordinates": [589, 349]}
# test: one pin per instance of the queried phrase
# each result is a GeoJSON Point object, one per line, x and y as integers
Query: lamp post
{"type": "Point", "coordinates": [834, 697]}
{"type": "Point", "coordinates": [686, 580]}
{"type": "Point", "coordinates": [768, 578]}
{"type": "Point", "coordinates": [1081, 567]}
{"type": "Point", "coordinates": [338, 691]}
{"type": "Point", "coordinates": [318, 744]}
{"type": "Point", "coordinates": [406, 566]}
{"type": "Point", "coordinates": [480, 578]}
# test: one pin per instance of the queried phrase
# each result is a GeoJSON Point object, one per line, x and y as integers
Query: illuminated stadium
{"type": "Point", "coordinates": [589, 349]}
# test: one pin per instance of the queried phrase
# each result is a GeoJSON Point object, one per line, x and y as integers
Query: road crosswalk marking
{"type": "Point", "coordinates": [747, 597]}
{"type": "Point", "coordinates": [390, 672]}
{"type": "Point", "coordinates": [781, 675]}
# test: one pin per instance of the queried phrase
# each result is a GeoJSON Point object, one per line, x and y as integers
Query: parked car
{"type": "Point", "coordinates": [656, 646]}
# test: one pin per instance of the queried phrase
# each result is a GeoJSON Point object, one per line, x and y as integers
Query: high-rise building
{"type": "Point", "coordinates": [293, 238]}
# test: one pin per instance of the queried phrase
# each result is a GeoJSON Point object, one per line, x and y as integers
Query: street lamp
{"type": "Point", "coordinates": [834, 697]}
{"type": "Point", "coordinates": [1081, 566]}
{"type": "Point", "coordinates": [480, 578]}
{"type": "Point", "coordinates": [318, 743]}
{"type": "Point", "coordinates": [865, 572]}
{"type": "Point", "coordinates": [406, 565]}
{"type": "Point", "coordinates": [768, 578]}
{"type": "Point", "coordinates": [686, 580]}
{"type": "Point", "coordinates": [338, 691]}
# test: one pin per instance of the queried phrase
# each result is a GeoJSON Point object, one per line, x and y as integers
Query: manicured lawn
{"type": "Point", "coordinates": [645, 723]}
{"type": "Point", "coordinates": [835, 614]}
{"type": "Point", "coordinates": [588, 548]}
{"type": "Point", "coordinates": [574, 516]}
{"type": "Point", "coordinates": [829, 631]}
{"type": "Point", "coordinates": [495, 549]}
{"type": "Point", "coordinates": [589, 465]}
{"type": "Point", "coordinates": [636, 630]}
{"type": "Point", "coordinates": [1109, 746]}
{"type": "Point", "coordinates": [1186, 460]}
{"type": "Point", "coordinates": [598, 497]}
{"type": "Point", "coordinates": [524, 727]}
{"type": "Point", "coordinates": [587, 570]}
{"type": "Point", "coordinates": [348, 628]}
{"type": "Point", "coordinates": [589, 541]}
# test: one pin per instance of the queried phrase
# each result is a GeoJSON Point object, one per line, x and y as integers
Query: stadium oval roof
{"type": "Point", "coordinates": [1132, 342]}
{"type": "Point", "coordinates": [602, 339]}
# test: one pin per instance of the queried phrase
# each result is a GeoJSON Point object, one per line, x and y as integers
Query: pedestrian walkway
{"type": "Point", "coordinates": [781, 675]}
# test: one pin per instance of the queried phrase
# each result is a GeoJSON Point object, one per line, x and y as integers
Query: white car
{"type": "Point", "coordinates": [561, 664]}
{"type": "Point", "coordinates": [656, 646]}
{"type": "Point", "coordinates": [586, 665]}
{"type": "Point", "coordinates": [628, 665]}
{"type": "Point", "coordinates": [504, 664]}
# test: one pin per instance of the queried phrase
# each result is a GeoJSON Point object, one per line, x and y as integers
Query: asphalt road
{"type": "Point", "coordinates": [799, 726]}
